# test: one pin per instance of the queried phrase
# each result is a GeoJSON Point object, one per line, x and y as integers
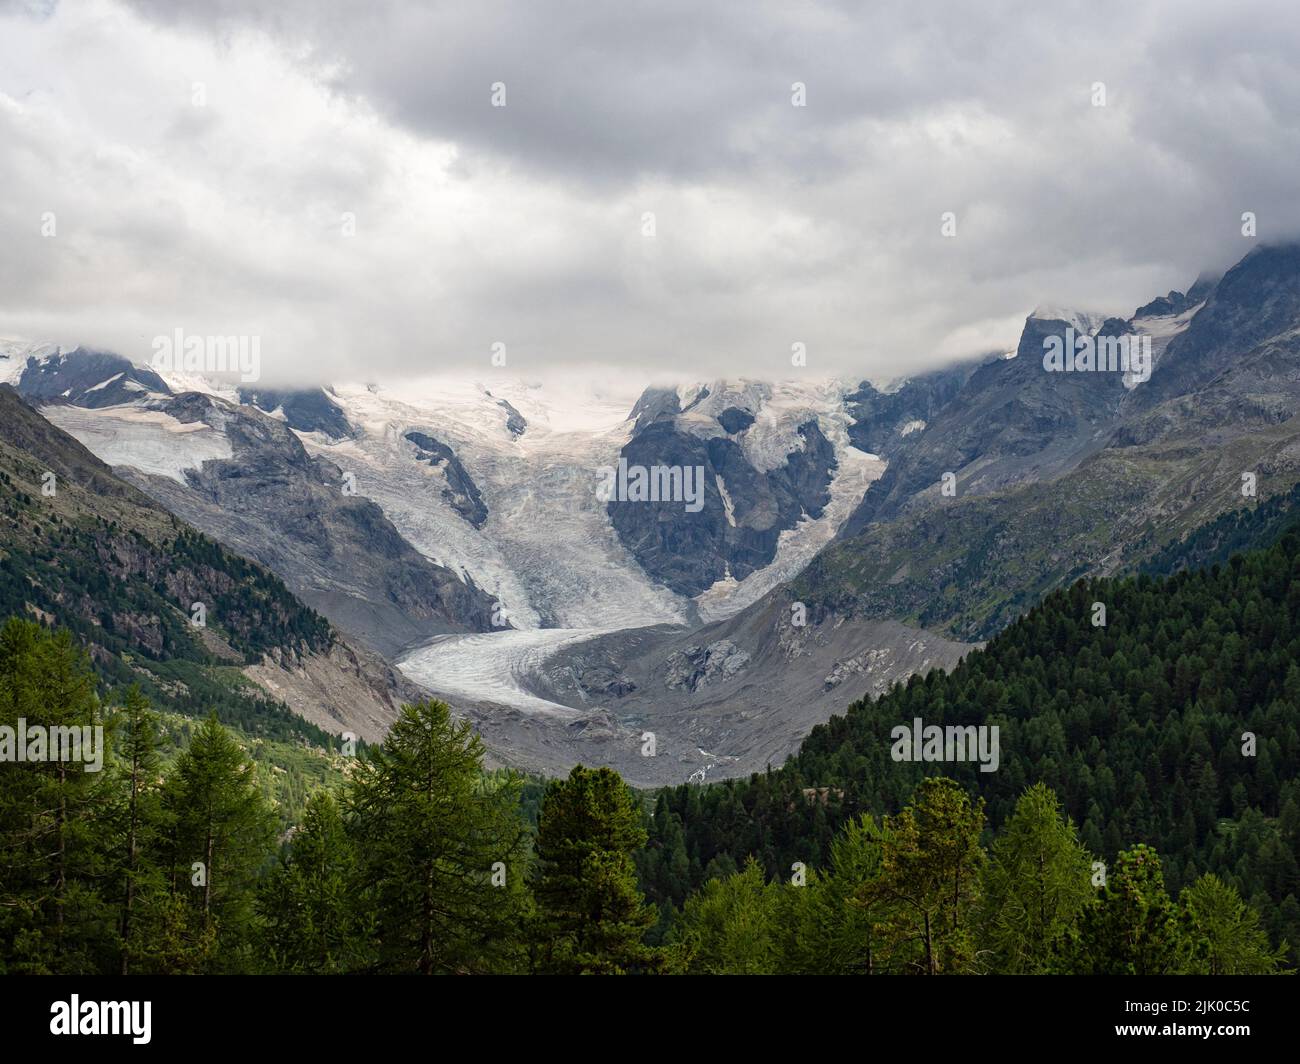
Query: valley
{"type": "Point", "coordinates": [457, 527]}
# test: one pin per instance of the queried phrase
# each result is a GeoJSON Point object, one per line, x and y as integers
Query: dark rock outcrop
{"type": "Point", "coordinates": [460, 490]}
{"type": "Point", "coordinates": [744, 511]}
{"type": "Point", "coordinates": [881, 420]}
{"type": "Point", "coordinates": [1179, 302]}
{"type": "Point", "coordinates": [735, 420]}
{"type": "Point", "coordinates": [655, 404]}
{"type": "Point", "coordinates": [699, 666]}
{"type": "Point", "coordinates": [309, 410]}
{"type": "Point", "coordinates": [516, 423]}
{"type": "Point", "coordinates": [87, 378]}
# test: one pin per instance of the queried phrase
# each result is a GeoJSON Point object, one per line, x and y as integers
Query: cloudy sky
{"type": "Point", "coordinates": [649, 199]}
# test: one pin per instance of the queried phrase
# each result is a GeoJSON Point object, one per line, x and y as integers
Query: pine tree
{"type": "Point", "coordinates": [592, 917]}
{"type": "Point", "coordinates": [139, 813]}
{"type": "Point", "coordinates": [830, 926]}
{"type": "Point", "coordinates": [222, 833]}
{"type": "Point", "coordinates": [1133, 927]}
{"type": "Point", "coordinates": [309, 901]}
{"type": "Point", "coordinates": [929, 884]}
{"type": "Point", "coordinates": [730, 926]}
{"type": "Point", "coordinates": [441, 847]}
{"type": "Point", "coordinates": [52, 811]}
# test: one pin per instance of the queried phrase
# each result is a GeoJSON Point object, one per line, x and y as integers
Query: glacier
{"type": "Point", "coordinates": [547, 551]}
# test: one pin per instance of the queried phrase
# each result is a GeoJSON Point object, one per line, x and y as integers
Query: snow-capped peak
{"type": "Point", "coordinates": [1082, 321]}
{"type": "Point", "coordinates": [14, 354]}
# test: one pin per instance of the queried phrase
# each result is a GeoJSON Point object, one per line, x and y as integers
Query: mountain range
{"type": "Point", "coordinates": [850, 533]}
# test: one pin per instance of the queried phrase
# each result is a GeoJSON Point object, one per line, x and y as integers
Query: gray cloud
{"type": "Point", "coordinates": [773, 224]}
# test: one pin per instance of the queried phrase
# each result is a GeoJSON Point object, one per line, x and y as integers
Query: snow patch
{"type": "Point", "coordinates": [106, 383]}
{"type": "Point", "coordinates": [1162, 330]}
{"type": "Point", "coordinates": [727, 505]}
{"type": "Point", "coordinates": [1082, 321]}
{"type": "Point", "coordinates": [148, 440]}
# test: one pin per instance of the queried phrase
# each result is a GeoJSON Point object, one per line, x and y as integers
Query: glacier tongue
{"type": "Point", "coordinates": [494, 668]}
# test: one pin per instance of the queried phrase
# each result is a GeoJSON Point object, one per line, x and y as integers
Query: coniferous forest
{"type": "Point", "coordinates": [1145, 819]}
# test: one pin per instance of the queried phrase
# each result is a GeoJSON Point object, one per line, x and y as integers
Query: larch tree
{"type": "Point", "coordinates": [592, 916]}
{"type": "Point", "coordinates": [1036, 883]}
{"type": "Point", "coordinates": [441, 846]}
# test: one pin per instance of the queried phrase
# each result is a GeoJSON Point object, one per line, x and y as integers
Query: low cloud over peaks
{"type": "Point", "coordinates": [339, 182]}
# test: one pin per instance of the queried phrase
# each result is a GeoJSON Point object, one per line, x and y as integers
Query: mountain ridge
{"type": "Point", "coordinates": [931, 512]}
{"type": "Point", "coordinates": [82, 549]}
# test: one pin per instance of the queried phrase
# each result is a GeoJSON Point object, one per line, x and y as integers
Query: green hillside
{"type": "Point", "coordinates": [1138, 726]}
{"type": "Point", "coordinates": [82, 550]}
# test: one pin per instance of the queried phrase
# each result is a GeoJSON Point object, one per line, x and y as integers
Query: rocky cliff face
{"type": "Point", "coordinates": [746, 503]}
{"type": "Point", "coordinates": [460, 490]}
{"type": "Point", "coordinates": [1010, 422]}
{"type": "Point", "coordinates": [297, 515]}
{"type": "Point", "coordinates": [103, 559]}
{"type": "Point", "coordinates": [1058, 475]}
{"type": "Point", "coordinates": [339, 688]}
{"type": "Point", "coordinates": [882, 420]}
{"type": "Point", "coordinates": [1179, 302]}
{"type": "Point", "coordinates": [1256, 301]}
{"type": "Point", "coordinates": [516, 423]}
